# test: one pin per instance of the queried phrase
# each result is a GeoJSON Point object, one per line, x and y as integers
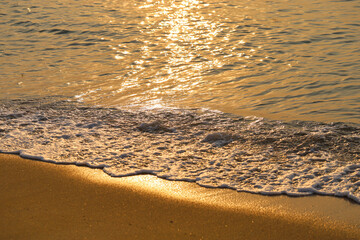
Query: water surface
{"type": "Point", "coordinates": [277, 59]}
{"type": "Point", "coordinates": [167, 87]}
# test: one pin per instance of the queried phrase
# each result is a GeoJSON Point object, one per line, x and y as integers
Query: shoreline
{"type": "Point", "coordinates": [212, 148]}
{"type": "Point", "coordinates": [41, 200]}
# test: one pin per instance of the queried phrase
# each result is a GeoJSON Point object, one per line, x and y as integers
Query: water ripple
{"type": "Point", "coordinates": [283, 60]}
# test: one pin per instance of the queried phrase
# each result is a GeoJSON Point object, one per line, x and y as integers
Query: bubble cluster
{"type": "Point", "coordinates": [210, 148]}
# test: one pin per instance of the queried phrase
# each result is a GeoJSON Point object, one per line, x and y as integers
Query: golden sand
{"type": "Point", "coordinates": [48, 201]}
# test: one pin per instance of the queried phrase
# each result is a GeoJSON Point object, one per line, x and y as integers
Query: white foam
{"type": "Point", "coordinates": [210, 148]}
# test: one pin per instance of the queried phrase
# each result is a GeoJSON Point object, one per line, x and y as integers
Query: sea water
{"type": "Point", "coordinates": [257, 96]}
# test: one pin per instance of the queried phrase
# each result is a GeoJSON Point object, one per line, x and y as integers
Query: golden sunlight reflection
{"type": "Point", "coordinates": [171, 57]}
{"type": "Point", "coordinates": [275, 59]}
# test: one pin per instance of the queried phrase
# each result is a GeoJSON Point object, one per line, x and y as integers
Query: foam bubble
{"type": "Point", "coordinates": [210, 148]}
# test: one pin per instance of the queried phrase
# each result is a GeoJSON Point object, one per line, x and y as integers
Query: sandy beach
{"type": "Point", "coordinates": [47, 201]}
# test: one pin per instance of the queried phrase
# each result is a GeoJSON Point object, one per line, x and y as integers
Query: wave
{"type": "Point", "coordinates": [211, 148]}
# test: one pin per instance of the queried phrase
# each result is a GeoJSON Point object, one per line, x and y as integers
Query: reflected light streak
{"type": "Point", "coordinates": [184, 36]}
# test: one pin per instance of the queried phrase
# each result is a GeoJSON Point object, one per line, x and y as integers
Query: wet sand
{"type": "Point", "coordinates": [46, 201]}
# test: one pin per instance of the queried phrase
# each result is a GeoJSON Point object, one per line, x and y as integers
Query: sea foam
{"type": "Point", "coordinates": [210, 148]}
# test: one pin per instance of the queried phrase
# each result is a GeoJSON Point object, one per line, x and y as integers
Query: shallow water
{"type": "Point", "coordinates": [210, 148]}
{"type": "Point", "coordinates": [276, 59]}
{"type": "Point", "coordinates": [167, 88]}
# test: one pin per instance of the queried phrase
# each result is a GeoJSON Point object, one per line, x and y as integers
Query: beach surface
{"type": "Point", "coordinates": [41, 200]}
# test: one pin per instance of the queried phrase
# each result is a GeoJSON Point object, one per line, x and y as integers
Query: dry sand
{"type": "Point", "coordinates": [47, 201]}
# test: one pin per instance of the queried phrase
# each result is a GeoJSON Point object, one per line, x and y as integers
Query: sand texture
{"type": "Point", "coordinates": [47, 201]}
